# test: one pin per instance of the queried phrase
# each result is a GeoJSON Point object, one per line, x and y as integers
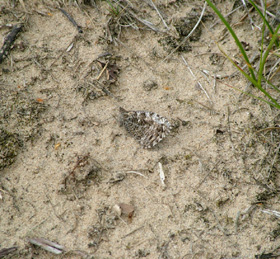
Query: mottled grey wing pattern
{"type": "Point", "coordinates": [148, 128]}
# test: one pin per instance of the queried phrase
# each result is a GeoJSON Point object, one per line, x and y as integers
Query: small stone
{"type": "Point", "coordinates": [117, 210]}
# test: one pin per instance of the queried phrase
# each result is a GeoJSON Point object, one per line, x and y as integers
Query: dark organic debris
{"type": "Point", "coordinates": [188, 28]}
{"type": "Point", "coordinates": [102, 75]}
{"type": "Point", "coordinates": [140, 253]}
{"type": "Point", "coordinates": [111, 68]}
{"type": "Point", "coordinates": [98, 232]}
{"type": "Point", "coordinates": [85, 171]}
{"type": "Point", "coordinates": [149, 85]}
{"type": "Point", "coordinates": [117, 177]}
{"type": "Point", "coordinates": [10, 143]}
{"type": "Point", "coordinates": [8, 41]}
{"type": "Point", "coordinates": [171, 43]}
{"type": "Point", "coordinates": [148, 128]}
{"type": "Point", "coordinates": [6, 251]}
{"type": "Point", "coordinates": [266, 256]}
{"type": "Point", "coordinates": [185, 25]}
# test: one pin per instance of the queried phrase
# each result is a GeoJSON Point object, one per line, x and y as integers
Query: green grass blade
{"type": "Point", "coordinates": [254, 82]}
{"type": "Point", "coordinates": [238, 43]}
{"type": "Point", "coordinates": [266, 53]}
{"type": "Point", "coordinates": [264, 20]}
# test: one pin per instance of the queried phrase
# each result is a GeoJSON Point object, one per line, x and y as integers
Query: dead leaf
{"type": "Point", "coordinates": [126, 209]}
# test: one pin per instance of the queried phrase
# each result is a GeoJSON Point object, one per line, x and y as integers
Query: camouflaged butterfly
{"type": "Point", "coordinates": [148, 128]}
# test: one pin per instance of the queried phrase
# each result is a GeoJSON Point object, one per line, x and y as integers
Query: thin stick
{"type": "Point", "coordinates": [47, 245]}
{"type": "Point", "coordinates": [194, 28]}
{"type": "Point", "coordinates": [147, 23]}
{"type": "Point", "coordinates": [248, 13]}
{"type": "Point", "coordinates": [237, 221]}
{"type": "Point", "coordinates": [6, 251]}
{"type": "Point", "coordinates": [102, 71]}
{"type": "Point", "coordinates": [228, 14]}
{"type": "Point", "coordinates": [130, 233]}
{"type": "Point", "coordinates": [23, 5]}
{"type": "Point", "coordinates": [197, 80]}
{"type": "Point", "coordinates": [269, 77]}
{"type": "Point", "coordinates": [214, 84]}
{"type": "Point", "coordinates": [71, 19]}
{"type": "Point", "coordinates": [159, 14]}
{"type": "Point", "coordinates": [135, 172]}
{"type": "Point", "coordinates": [272, 212]}
{"type": "Point", "coordinates": [266, 129]}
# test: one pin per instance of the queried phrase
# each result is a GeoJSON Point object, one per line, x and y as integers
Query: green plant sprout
{"type": "Point", "coordinates": [114, 10]}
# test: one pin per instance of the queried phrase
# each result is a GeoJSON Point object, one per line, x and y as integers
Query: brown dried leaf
{"type": "Point", "coordinates": [127, 209]}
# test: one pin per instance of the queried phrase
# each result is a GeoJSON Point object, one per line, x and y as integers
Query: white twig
{"type": "Point", "coordinates": [226, 16]}
{"type": "Point", "coordinates": [47, 245]}
{"type": "Point", "coordinates": [272, 212]}
{"type": "Point", "coordinates": [135, 172]}
{"type": "Point", "coordinates": [196, 79]}
{"type": "Point", "coordinates": [161, 174]}
{"type": "Point", "coordinates": [145, 22]}
{"type": "Point", "coordinates": [163, 21]}
{"type": "Point", "coordinates": [214, 84]}
{"type": "Point", "coordinates": [248, 12]}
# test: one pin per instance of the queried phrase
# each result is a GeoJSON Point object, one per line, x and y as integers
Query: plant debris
{"type": "Point", "coordinates": [9, 40]}
{"type": "Point", "coordinates": [10, 144]}
{"type": "Point", "coordinates": [47, 245]}
{"type": "Point", "coordinates": [7, 251]}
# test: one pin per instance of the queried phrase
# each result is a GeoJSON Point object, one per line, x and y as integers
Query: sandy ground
{"type": "Point", "coordinates": [69, 170]}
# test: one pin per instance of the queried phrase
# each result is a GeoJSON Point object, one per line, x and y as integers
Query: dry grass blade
{"type": "Point", "coordinates": [6, 251]}
{"type": "Point", "coordinates": [9, 40]}
{"type": "Point", "coordinates": [145, 22]}
{"type": "Point", "coordinates": [138, 173]}
{"type": "Point", "coordinates": [272, 212]}
{"type": "Point", "coordinates": [158, 12]}
{"type": "Point", "coordinates": [192, 31]}
{"type": "Point", "coordinates": [207, 95]}
{"type": "Point", "coordinates": [248, 13]}
{"type": "Point", "coordinates": [227, 15]}
{"type": "Point", "coordinates": [47, 245]}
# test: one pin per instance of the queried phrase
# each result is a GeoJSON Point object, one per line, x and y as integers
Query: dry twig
{"type": "Point", "coordinates": [145, 22]}
{"type": "Point", "coordinates": [71, 19]}
{"type": "Point", "coordinates": [189, 35]}
{"type": "Point", "coordinates": [202, 88]}
{"type": "Point", "coordinates": [158, 12]}
{"type": "Point", "coordinates": [6, 251]}
{"type": "Point", "coordinates": [47, 245]}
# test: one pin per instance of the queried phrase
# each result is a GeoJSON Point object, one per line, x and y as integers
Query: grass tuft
{"type": "Point", "coordinates": [256, 77]}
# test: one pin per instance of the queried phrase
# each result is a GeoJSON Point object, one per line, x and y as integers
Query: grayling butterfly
{"type": "Point", "coordinates": [148, 128]}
